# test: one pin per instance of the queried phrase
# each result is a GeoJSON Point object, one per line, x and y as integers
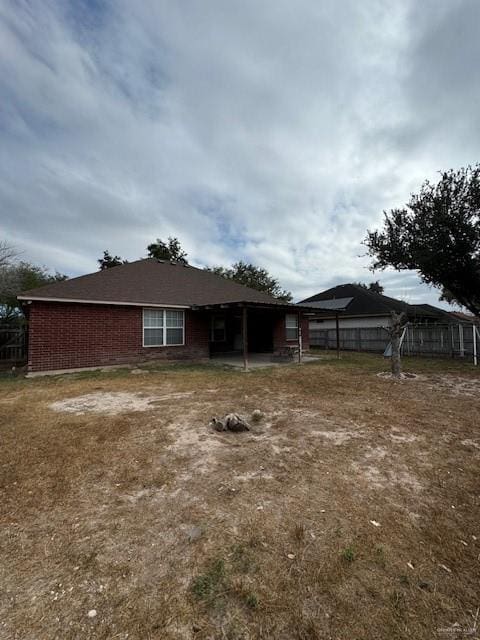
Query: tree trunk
{"type": "Point", "coordinates": [398, 322]}
{"type": "Point", "coordinates": [396, 362]}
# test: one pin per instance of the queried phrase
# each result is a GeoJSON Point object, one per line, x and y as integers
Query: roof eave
{"type": "Point", "coordinates": [249, 304]}
{"type": "Point", "coordinates": [116, 303]}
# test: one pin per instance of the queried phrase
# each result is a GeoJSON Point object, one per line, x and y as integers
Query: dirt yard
{"type": "Point", "coordinates": [350, 511]}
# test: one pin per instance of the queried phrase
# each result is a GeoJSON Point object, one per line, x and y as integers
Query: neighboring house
{"type": "Point", "coordinates": [153, 309]}
{"type": "Point", "coordinates": [358, 307]}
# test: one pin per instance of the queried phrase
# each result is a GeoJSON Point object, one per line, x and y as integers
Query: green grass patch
{"type": "Point", "coordinates": [209, 585]}
{"type": "Point", "coordinates": [222, 581]}
{"type": "Point", "coordinates": [251, 600]}
{"type": "Point", "coordinates": [348, 554]}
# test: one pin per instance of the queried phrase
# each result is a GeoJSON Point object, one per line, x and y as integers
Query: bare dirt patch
{"type": "Point", "coordinates": [468, 442]}
{"type": "Point", "coordinates": [403, 437]}
{"type": "Point", "coordinates": [387, 375]}
{"type": "Point", "coordinates": [121, 500]}
{"type": "Point", "coordinates": [110, 403]}
{"type": "Point", "coordinates": [113, 403]}
{"type": "Point", "coordinates": [456, 385]}
{"type": "Point", "coordinates": [338, 436]}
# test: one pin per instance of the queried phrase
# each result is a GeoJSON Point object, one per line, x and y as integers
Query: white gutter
{"type": "Point", "coordinates": [111, 302]}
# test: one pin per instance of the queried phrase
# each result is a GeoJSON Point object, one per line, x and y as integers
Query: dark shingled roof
{"type": "Point", "coordinates": [368, 303]}
{"type": "Point", "coordinates": [150, 281]}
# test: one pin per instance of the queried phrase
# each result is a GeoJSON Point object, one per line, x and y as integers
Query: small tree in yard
{"type": "Point", "coordinates": [395, 330]}
{"type": "Point", "coordinates": [438, 235]}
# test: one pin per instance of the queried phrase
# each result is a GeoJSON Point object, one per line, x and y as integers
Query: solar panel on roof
{"type": "Point", "coordinates": [334, 304]}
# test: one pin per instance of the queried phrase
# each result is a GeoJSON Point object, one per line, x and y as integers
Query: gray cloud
{"type": "Point", "coordinates": [272, 132]}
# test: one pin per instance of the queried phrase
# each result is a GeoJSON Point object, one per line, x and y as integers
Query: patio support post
{"type": "Point", "coordinates": [475, 359]}
{"type": "Point", "coordinates": [337, 329]}
{"type": "Point", "coordinates": [245, 338]}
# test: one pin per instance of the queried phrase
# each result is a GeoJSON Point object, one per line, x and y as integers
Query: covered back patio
{"type": "Point", "coordinates": [257, 334]}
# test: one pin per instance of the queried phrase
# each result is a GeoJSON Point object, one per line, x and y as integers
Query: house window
{"type": "Point", "coordinates": [218, 329]}
{"type": "Point", "coordinates": [291, 324]}
{"type": "Point", "coordinates": [163, 327]}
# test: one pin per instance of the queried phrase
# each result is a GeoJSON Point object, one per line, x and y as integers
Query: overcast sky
{"type": "Point", "coordinates": [270, 131]}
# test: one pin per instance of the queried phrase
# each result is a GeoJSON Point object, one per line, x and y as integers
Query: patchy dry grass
{"type": "Point", "coordinates": [350, 511]}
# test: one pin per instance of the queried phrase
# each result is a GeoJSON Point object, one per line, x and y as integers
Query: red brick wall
{"type": "Point", "coordinates": [280, 336]}
{"type": "Point", "coordinates": [69, 335]}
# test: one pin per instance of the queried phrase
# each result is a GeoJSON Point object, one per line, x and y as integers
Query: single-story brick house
{"type": "Point", "coordinates": [153, 309]}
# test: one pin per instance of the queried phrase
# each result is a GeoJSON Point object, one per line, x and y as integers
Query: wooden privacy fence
{"type": "Point", "coordinates": [448, 340]}
{"type": "Point", "coordinates": [13, 343]}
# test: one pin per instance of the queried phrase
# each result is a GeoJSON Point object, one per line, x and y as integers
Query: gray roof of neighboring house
{"type": "Point", "coordinates": [364, 302]}
{"type": "Point", "coordinates": [151, 281]}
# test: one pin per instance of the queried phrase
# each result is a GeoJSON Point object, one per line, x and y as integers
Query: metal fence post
{"type": "Point", "coordinates": [474, 329]}
{"type": "Point", "coordinates": [460, 338]}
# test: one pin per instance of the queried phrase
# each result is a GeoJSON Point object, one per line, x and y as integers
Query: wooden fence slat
{"type": "Point", "coordinates": [13, 344]}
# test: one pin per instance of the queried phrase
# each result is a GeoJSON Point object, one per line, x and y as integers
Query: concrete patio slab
{"type": "Point", "coordinates": [255, 360]}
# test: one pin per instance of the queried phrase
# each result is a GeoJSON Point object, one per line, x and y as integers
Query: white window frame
{"type": "Point", "coordinates": [164, 328]}
{"type": "Point", "coordinates": [295, 316]}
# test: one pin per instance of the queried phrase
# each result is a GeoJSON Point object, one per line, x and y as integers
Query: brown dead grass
{"type": "Point", "coordinates": [170, 530]}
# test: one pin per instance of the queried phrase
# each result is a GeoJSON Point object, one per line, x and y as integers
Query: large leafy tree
{"type": "Point", "coordinates": [254, 277]}
{"type": "Point", "coordinates": [17, 277]}
{"type": "Point", "coordinates": [108, 261]}
{"type": "Point", "coordinates": [437, 234]}
{"type": "Point", "coordinates": [169, 250]}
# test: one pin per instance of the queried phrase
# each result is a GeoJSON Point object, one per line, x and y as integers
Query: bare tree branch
{"type": "Point", "coordinates": [7, 253]}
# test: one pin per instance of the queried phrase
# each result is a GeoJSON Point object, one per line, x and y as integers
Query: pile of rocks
{"type": "Point", "coordinates": [234, 422]}
{"type": "Point", "coordinates": [231, 422]}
